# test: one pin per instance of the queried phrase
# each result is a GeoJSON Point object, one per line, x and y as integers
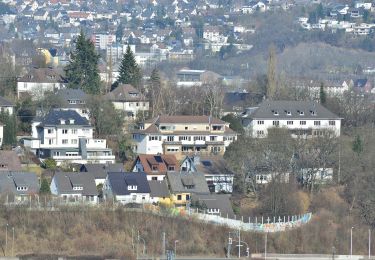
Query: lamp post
{"type": "Point", "coordinates": [175, 248]}
{"type": "Point", "coordinates": [351, 242]}
{"type": "Point", "coordinates": [13, 242]}
{"type": "Point", "coordinates": [369, 243]}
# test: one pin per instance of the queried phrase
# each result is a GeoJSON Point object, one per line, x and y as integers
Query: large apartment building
{"type": "Point", "coordinates": [301, 118]}
{"type": "Point", "coordinates": [64, 135]}
{"type": "Point", "coordinates": [182, 135]}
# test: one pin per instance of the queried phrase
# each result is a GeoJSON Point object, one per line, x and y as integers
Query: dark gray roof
{"type": "Point", "coordinates": [119, 182]}
{"type": "Point", "coordinates": [9, 181]}
{"type": "Point", "coordinates": [9, 161]}
{"type": "Point", "coordinates": [158, 189]}
{"type": "Point", "coordinates": [69, 94]}
{"type": "Point", "coordinates": [5, 103]}
{"type": "Point", "coordinates": [100, 170]}
{"type": "Point", "coordinates": [216, 201]}
{"type": "Point", "coordinates": [66, 180]}
{"type": "Point", "coordinates": [192, 182]}
{"type": "Point", "coordinates": [292, 110]}
{"type": "Point", "coordinates": [54, 116]}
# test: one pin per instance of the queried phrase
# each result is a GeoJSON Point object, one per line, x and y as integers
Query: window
{"type": "Point", "coordinates": [184, 138]}
{"type": "Point", "coordinates": [199, 138]}
{"type": "Point", "coordinates": [260, 122]}
{"type": "Point", "coordinates": [289, 122]}
{"type": "Point", "coordinates": [170, 138]}
{"type": "Point", "coordinates": [74, 141]}
{"type": "Point", "coordinates": [301, 113]}
{"type": "Point", "coordinates": [288, 113]}
{"type": "Point", "coordinates": [50, 141]}
{"type": "Point", "coordinates": [186, 128]}
{"type": "Point", "coordinates": [275, 112]}
{"type": "Point", "coordinates": [154, 167]}
{"type": "Point", "coordinates": [213, 138]}
{"type": "Point", "coordinates": [65, 131]}
{"type": "Point", "coordinates": [179, 197]}
{"type": "Point", "coordinates": [132, 187]}
{"type": "Point", "coordinates": [171, 168]}
{"type": "Point", "coordinates": [74, 131]}
{"type": "Point", "coordinates": [207, 128]}
{"type": "Point", "coordinates": [275, 123]}
{"type": "Point", "coordinates": [217, 127]}
{"type": "Point", "coordinates": [260, 132]}
{"type": "Point", "coordinates": [154, 138]}
{"type": "Point", "coordinates": [22, 188]}
{"type": "Point", "coordinates": [154, 178]}
{"type": "Point", "coordinates": [332, 123]}
{"type": "Point", "coordinates": [302, 122]}
{"type": "Point", "coordinates": [137, 104]}
{"type": "Point", "coordinates": [77, 188]}
{"type": "Point", "coordinates": [65, 141]}
{"type": "Point", "coordinates": [317, 123]}
{"type": "Point", "coordinates": [187, 197]}
{"type": "Point", "coordinates": [56, 153]}
{"type": "Point", "coordinates": [50, 131]}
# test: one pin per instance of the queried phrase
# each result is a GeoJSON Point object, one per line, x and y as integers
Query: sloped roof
{"type": "Point", "coordinates": [125, 92]}
{"type": "Point", "coordinates": [100, 170]}
{"type": "Point", "coordinates": [162, 161]}
{"type": "Point", "coordinates": [66, 180]}
{"type": "Point", "coordinates": [158, 189]}
{"type": "Point", "coordinates": [43, 75]}
{"type": "Point", "coordinates": [5, 102]}
{"type": "Point", "coordinates": [292, 110]}
{"type": "Point", "coordinates": [119, 182]}
{"type": "Point", "coordinates": [54, 116]}
{"type": "Point", "coordinates": [210, 165]}
{"type": "Point", "coordinates": [181, 119]}
{"type": "Point", "coordinates": [9, 161]}
{"type": "Point", "coordinates": [9, 181]}
{"type": "Point", "coordinates": [67, 94]}
{"type": "Point", "coordinates": [216, 201]}
{"type": "Point", "coordinates": [190, 182]}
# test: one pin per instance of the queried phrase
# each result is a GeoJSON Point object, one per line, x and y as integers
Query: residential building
{"type": "Point", "coordinates": [155, 166]}
{"type": "Point", "coordinates": [73, 187]}
{"type": "Point", "coordinates": [127, 188]}
{"type": "Point", "coordinates": [73, 99]}
{"type": "Point", "coordinates": [18, 186]}
{"type": "Point", "coordinates": [189, 78]}
{"type": "Point", "coordinates": [302, 119]}
{"type": "Point", "coordinates": [218, 176]}
{"type": "Point", "coordinates": [6, 106]}
{"type": "Point", "coordinates": [9, 161]}
{"type": "Point", "coordinates": [213, 204]}
{"type": "Point", "coordinates": [129, 100]}
{"type": "Point", "coordinates": [182, 135]}
{"type": "Point", "coordinates": [100, 170]}
{"type": "Point", "coordinates": [183, 184]}
{"type": "Point", "coordinates": [38, 81]}
{"type": "Point", "coordinates": [66, 136]}
{"type": "Point", "coordinates": [362, 85]}
{"type": "Point", "coordinates": [103, 40]}
{"type": "Point", "coordinates": [159, 193]}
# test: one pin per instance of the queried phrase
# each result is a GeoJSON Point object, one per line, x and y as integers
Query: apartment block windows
{"type": "Point", "coordinates": [213, 138]}
{"type": "Point", "coordinates": [275, 123]}
{"type": "Point", "coordinates": [317, 123]}
{"type": "Point", "coordinates": [289, 122]}
{"type": "Point", "coordinates": [179, 197]}
{"type": "Point", "coordinates": [332, 123]}
{"type": "Point", "coordinates": [65, 131]}
{"type": "Point", "coordinates": [154, 138]}
{"type": "Point", "coordinates": [184, 138]}
{"type": "Point", "coordinates": [74, 131]}
{"type": "Point", "coordinates": [50, 131]}
{"type": "Point", "coordinates": [74, 141]}
{"type": "Point", "coordinates": [302, 122]}
{"type": "Point", "coordinates": [65, 141]}
{"type": "Point", "coordinates": [260, 122]}
{"type": "Point", "coordinates": [170, 138]}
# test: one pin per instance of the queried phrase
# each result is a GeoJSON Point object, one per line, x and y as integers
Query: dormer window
{"type": "Point", "coordinates": [132, 187]}
{"type": "Point", "coordinates": [22, 188]}
{"type": "Point", "coordinates": [217, 127]}
{"type": "Point", "coordinates": [288, 113]}
{"type": "Point", "coordinates": [62, 122]}
{"type": "Point", "coordinates": [275, 112]}
{"type": "Point", "coordinates": [313, 113]}
{"type": "Point", "coordinates": [154, 167]}
{"type": "Point", "coordinates": [133, 94]}
{"type": "Point", "coordinates": [71, 121]}
{"type": "Point", "coordinates": [77, 187]}
{"type": "Point", "coordinates": [301, 113]}
{"type": "Point", "coordinates": [3, 166]}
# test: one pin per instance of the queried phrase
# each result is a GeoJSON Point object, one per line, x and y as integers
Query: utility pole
{"type": "Point", "coordinates": [351, 243]}
{"type": "Point", "coordinates": [13, 242]}
{"type": "Point", "coordinates": [369, 243]}
{"type": "Point", "coordinates": [6, 238]}
{"type": "Point", "coordinates": [163, 246]}
{"type": "Point", "coordinates": [239, 242]}
{"type": "Point", "coordinates": [265, 247]}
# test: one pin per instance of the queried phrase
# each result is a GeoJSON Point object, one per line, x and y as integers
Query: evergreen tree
{"type": "Point", "coordinates": [322, 95]}
{"type": "Point", "coordinates": [10, 128]}
{"type": "Point", "coordinates": [44, 187]}
{"type": "Point", "coordinates": [130, 73]}
{"type": "Point", "coordinates": [357, 145]}
{"type": "Point", "coordinates": [82, 70]}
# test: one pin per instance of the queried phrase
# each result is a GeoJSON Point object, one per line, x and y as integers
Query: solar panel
{"type": "Point", "coordinates": [207, 163]}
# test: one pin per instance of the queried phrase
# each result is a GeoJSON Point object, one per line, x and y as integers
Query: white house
{"type": "Point", "coordinates": [39, 81]}
{"type": "Point", "coordinates": [66, 136]}
{"type": "Point", "coordinates": [73, 187]}
{"type": "Point", "coordinates": [126, 188]}
{"type": "Point", "coordinates": [6, 106]}
{"type": "Point", "coordinates": [182, 135]}
{"type": "Point", "coordinates": [129, 100]}
{"type": "Point", "coordinates": [301, 118]}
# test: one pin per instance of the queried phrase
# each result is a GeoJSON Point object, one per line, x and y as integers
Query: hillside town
{"type": "Point", "coordinates": [152, 112]}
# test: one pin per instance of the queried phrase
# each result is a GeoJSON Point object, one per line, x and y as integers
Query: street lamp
{"type": "Point", "coordinates": [351, 242]}
{"type": "Point", "coordinates": [175, 248]}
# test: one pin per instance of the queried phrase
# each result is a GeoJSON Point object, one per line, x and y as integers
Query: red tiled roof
{"type": "Point", "coordinates": [161, 161]}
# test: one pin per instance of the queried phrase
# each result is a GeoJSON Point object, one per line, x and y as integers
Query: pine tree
{"type": "Point", "coordinates": [271, 73]}
{"type": "Point", "coordinates": [322, 95]}
{"type": "Point", "coordinates": [44, 187]}
{"type": "Point", "coordinates": [82, 71]}
{"type": "Point", "coordinates": [130, 73]}
{"type": "Point", "coordinates": [10, 128]}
